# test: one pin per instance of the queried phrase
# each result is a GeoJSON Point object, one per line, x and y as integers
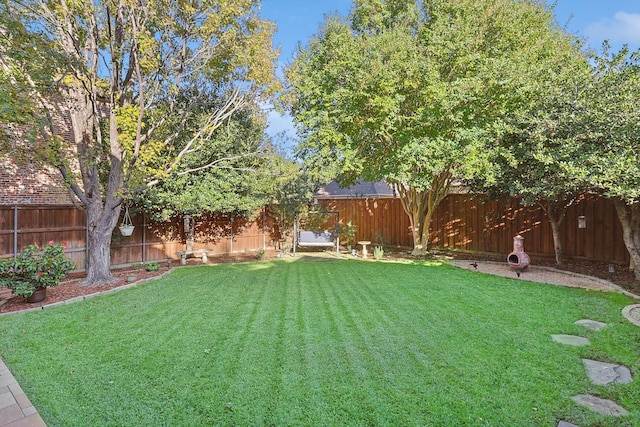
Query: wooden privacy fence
{"type": "Point", "coordinates": [461, 222]}
{"type": "Point", "coordinates": [150, 241]}
{"type": "Point", "coordinates": [468, 223]}
{"type": "Point", "coordinates": [377, 220]}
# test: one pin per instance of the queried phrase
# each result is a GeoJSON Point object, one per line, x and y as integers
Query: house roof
{"type": "Point", "coordinates": [360, 190]}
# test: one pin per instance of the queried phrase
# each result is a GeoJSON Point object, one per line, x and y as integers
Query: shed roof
{"type": "Point", "coordinates": [360, 190]}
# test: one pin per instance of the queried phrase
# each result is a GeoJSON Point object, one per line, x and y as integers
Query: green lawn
{"type": "Point", "coordinates": [322, 343]}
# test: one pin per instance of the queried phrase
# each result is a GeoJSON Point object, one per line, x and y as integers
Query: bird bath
{"type": "Point", "coordinates": [364, 244]}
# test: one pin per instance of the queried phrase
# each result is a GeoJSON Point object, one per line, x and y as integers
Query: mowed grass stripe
{"type": "Point", "coordinates": [331, 343]}
{"type": "Point", "coordinates": [378, 329]}
{"type": "Point", "coordinates": [325, 353]}
{"type": "Point", "coordinates": [255, 377]}
{"type": "Point", "coordinates": [389, 325]}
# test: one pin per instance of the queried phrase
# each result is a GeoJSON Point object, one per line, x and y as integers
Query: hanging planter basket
{"type": "Point", "coordinates": [126, 228]}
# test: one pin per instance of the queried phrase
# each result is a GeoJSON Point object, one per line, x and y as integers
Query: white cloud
{"type": "Point", "coordinates": [623, 28]}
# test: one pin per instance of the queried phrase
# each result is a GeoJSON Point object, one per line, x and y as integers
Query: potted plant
{"type": "Point", "coordinates": [34, 270]}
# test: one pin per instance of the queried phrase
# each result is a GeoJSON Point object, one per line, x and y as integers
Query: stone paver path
{"type": "Point", "coordinates": [602, 406]}
{"type": "Point", "coordinates": [573, 340]}
{"type": "Point", "coordinates": [599, 373]}
{"type": "Point", "coordinates": [590, 324]}
{"type": "Point", "coordinates": [565, 424]}
{"type": "Point", "coordinates": [15, 408]}
{"type": "Point", "coordinates": [602, 373]}
{"type": "Point", "coordinates": [608, 373]}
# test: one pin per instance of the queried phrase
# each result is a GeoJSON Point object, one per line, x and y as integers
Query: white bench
{"type": "Point", "coordinates": [195, 253]}
{"type": "Point", "coordinates": [316, 239]}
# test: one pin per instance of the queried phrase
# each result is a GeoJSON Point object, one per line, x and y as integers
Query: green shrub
{"type": "Point", "coordinates": [34, 268]}
{"type": "Point", "coordinates": [378, 252]}
{"type": "Point", "coordinates": [348, 233]}
{"type": "Point", "coordinates": [152, 266]}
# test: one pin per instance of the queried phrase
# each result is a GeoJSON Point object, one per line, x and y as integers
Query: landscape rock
{"type": "Point", "coordinates": [602, 406]}
{"type": "Point", "coordinates": [602, 373]}
{"type": "Point", "coordinates": [632, 313]}
{"type": "Point", "coordinates": [571, 340]}
{"type": "Point", "coordinates": [590, 324]}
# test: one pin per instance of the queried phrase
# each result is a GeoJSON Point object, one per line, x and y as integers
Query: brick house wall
{"type": "Point", "coordinates": [31, 184]}
{"type": "Point", "coordinates": [27, 183]}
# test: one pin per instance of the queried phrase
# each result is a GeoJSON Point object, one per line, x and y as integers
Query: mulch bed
{"type": "Point", "coordinates": [71, 287]}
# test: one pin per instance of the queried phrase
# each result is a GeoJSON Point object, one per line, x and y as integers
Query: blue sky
{"type": "Point", "coordinates": [596, 20]}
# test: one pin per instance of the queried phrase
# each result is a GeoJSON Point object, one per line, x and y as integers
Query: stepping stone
{"type": "Point", "coordinates": [602, 373]}
{"type": "Point", "coordinates": [632, 313]}
{"type": "Point", "coordinates": [571, 340]}
{"type": "Point", "coordinates": [590, 324]}
{"type": "Point", "coordinates": [602, 406]}
{"type": "Point", "coordinates": [565, 424]}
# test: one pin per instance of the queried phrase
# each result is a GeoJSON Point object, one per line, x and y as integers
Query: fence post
{"type": "Point", "coordinates": [86, 242]}
{"type": "Point", "coordinates": [231, 235]}
{"type": "Point", "coordinates": [144, 238]}
{"type": "Point", "coordinates": [295, 234]}
{"type": "Point", "coordinates": [15, 232]}
{"type": "Point", "coordinates": [264, 228]}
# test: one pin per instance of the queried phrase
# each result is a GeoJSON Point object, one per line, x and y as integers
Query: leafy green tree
{"type": "Point", "coordinates": [539, 153]}
{"type": "Point", "coordinates": [414, 92]}
{"type": "Point", "coordinates": [613, 153]}
{"type": "Point", "coordinates": [137, 80]}
{"type": "Point", "coordinates": [238, 172]}
{"type": "Point", "coordinates": [293, 197]}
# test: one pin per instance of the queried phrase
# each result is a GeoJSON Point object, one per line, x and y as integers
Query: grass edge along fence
{"type": "Point", "coordinates": [470, 223]}
{"type": "Point", "coordinates": [464, 222]}
{"type": "Point", "coordinates": [322, 343]}
{"type": "Point", "coordinates": [21, 226]}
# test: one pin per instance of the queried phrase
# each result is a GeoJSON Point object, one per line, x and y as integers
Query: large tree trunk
{"type": "Point", "coordinates": [101, 223]}
{"type": "Point", "coordinates": [426, 225]}
{"type": "Point", "coordinates": [556, 231]}
{"type": "Point", "coordinates": [420, 206]}
{"type": "Point", "coordinates": [556, 214]}
{"type": "Point", "coordinates": [629, 216]}
{"type": "Point", "coordinates": [414, 204]}
{"type": "Point", "coordinates": [102, 201]}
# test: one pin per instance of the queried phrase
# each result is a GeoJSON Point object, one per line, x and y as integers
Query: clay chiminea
{"type": "Point", "coordinates": [518, 259]}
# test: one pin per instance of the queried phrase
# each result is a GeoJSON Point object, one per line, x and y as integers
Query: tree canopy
{"type": "Point", "coordinates": [246, 172]}
{"type": "Point", "coordinates": [145, 86]}
{"type": "Point", "coordinates": [537, 156]}
{"type": "Point", "coordinates": [417, 92]}
{"type": "Point", "coordinates": [612, 146]}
